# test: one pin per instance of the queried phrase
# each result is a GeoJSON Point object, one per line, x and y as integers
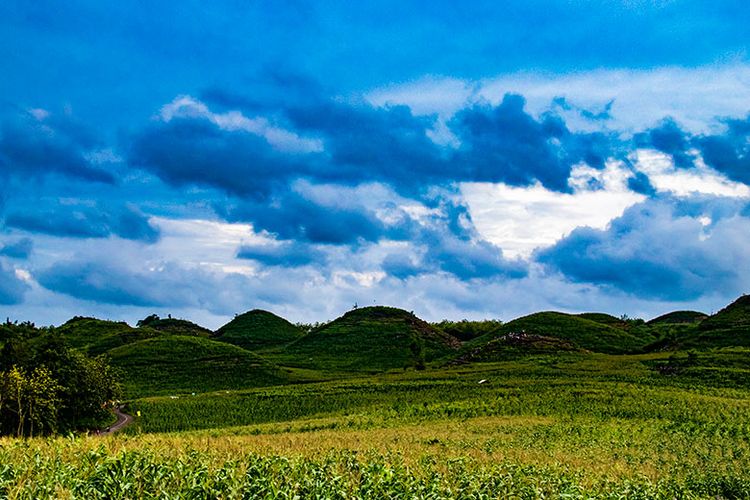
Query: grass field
{"type": "Point", "coordinates": [571, 425]}
{"type": "Point", "coordinates": [377, 404]}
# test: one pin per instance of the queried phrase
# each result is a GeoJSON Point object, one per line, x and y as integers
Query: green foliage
{"type": "Point", "coordinates": [178, 364]}
{"type": "Point", "coordinates": [466, 330]}
{"type": "Point", "coordinates": [53, 387]}
{"type": "Point", "coordinates": [580, 332]}
{"type": "Point", "coordinates": [603, 318]}
{"type": "Point", "coordinates": [368, 339]}
{"type": "Point", "coordinates": [678, 317]}
{"type": "Point", "coordinates": [258, 330]}
{"type": "Point", "coordinates": [173, 326]}
{"type": "Point", "coordinates": [95, 336]}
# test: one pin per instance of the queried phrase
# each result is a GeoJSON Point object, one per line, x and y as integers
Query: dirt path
{"type": "Point", "coordinates": [123, 420]}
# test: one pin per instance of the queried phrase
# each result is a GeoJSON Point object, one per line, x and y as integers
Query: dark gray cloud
{"type": "Point", "coordinates": [505, 144]}
{"type": "Point", "coordinates": [36, 147]}
{"type": "Point", "coordinates": [660, 249]}
{"type": "Point", "coordinates": [729, 152]}
{"type": "Point", "coordinates": [80, 221]}
{"type": "Point", "coordinates": [286, 254]}
{"type": "Point", "coordinates": [450, 244]}
{"type": "Point", "coordinates": [364, 143]}
{"type": "Point", "coordinates": [670, 139]}
{"type": "Point", "coordinates": [19, 249]}
{"type": "Point", "coordinates": [640, 183]}
{"type": "Point", "coordinates": [289, 215]}
{"type": "Point", "coordinates": [195, 151]}
{"type": "Point", "coordinates": [101, 279]}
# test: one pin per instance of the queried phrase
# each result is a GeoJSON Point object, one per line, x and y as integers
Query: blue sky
{"type": "Point", "coordinates": [484, 160]}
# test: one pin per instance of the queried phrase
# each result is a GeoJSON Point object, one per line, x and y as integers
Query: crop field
{"type": "Point", "coordinates": [568, 425]}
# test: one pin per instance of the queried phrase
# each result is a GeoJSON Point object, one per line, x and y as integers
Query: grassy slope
{"type": "Point", "coordinates": [258, 330]}
{"type": "Point", "coordinates": [95, 336]}
{"type": "Point", "coordinates": [603, 318]}
{"type": "Point", "coordinates": [728, 327]}
{"type": "Point", "coordinates": [369, 339]}
{"type": "Point", "coordinates": [175, 326]}
{"type": "Point", "coordinates": [169, 364]}
{"type": "Point", "coordinates": [580, 332]}
{"type": "Point", "coordinates": [679, 317]}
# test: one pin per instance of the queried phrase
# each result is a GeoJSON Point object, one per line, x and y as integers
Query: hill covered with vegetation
{"type": "Point", "coordinates": [370, 339]}
{"type": "Point", "coordinates": [679, 317]}
{"type": "Point", "coordinates": [574, 331]}
{"type": "Point", "coordinates": [96, 336]}
{"type": "Point", "coordinates": [174, 326]}
{"type": "Point", "coordinates": [180, 364]}
{"type": "Point", "coordinates": [258, 330]}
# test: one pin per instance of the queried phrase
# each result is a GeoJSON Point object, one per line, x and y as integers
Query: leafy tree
{"type": "Point", "coordinates": [46, 386]}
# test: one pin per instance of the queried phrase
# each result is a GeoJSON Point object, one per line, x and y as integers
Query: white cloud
{"type": "Point", "coordinates": [683, 182]}
{"type": "Point", "coordinates": [693, 96]}
{"type": "Point", "coordinates": [279, 138]}
{"type": "Point", "coordinates": [521, 219]}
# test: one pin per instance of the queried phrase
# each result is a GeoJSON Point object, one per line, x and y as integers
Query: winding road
{"type": "Point", "coordinates": [123, 420]}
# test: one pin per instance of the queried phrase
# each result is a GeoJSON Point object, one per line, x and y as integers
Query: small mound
{"type": "Point", "coordinates": [581, 333]}
{"type": "Point", "coordinates": [96, 336]}
{"type": "Point", "coordinates": [258, 330]}
{"type": "Point", "coordinates": [169, 364]}
{"type": "Point", "coordinates": [174, 326]}
{"type": "Point", "coordinates": [678, 318]}
{"type": "Point", "coordinates": [370, 339]}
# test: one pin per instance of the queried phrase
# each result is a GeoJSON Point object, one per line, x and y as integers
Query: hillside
{"type": "Point", "coordinates": [727, 328]}
{"type": "Point", "coordinates": [369, 339]}
{"type": "Point", "coordinates": [510, 346]}
{"type": "Point", "coordinates": [96, 336]}
{"type": "Point", "coordinates": [603, 318]}
{"type": "Point", "coordinates": [257, 330]}
{"type": "Point", "coordinates": [179, 364]}
{"type": "Point", "coordinates": [580, 332]}
{"type": "Point", "coordinates": [736, 316]}
{"type": "Point", "coordinates": [679, 317]}
{"type": "Point", "coordinates": [174, 326]}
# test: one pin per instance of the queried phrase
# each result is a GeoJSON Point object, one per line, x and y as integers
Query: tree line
{"type": "Point", "coordinates": [47, 387]}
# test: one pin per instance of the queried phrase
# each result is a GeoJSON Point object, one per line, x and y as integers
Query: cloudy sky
{"type": "Point", "coordinates": [205, 158]}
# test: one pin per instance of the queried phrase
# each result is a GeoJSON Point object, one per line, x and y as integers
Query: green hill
{"type": "Point", "coordinates": [729, 327]}
{"type": "Point", "coordinates": [510, 346]}
{"type": "Point", "coordinates": [258, 330]}
{"type": "Point", "coordinates": [679, 317]}
{"type": "Point", "coordinates": [580, 332]}
{"type": "Point", "coordinates": [369, 339]}
{"type": "Point", "coordinates": [179, 364]}
{"type": "Point", "coordinates": [174, 326]}
{"type": "Point", "coordinates": [96, 336]}
{"type": "Point", "coordinates": [603, 318]}
{"type": "Point", "coordinates": [736, 317]}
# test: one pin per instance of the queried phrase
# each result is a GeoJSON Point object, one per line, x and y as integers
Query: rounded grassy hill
{"type": "Point", "coordinates": [257, 330]}
{"type": "Point", "coordinates": [370, 339]}
{"type": "Point", "coordinates": [577, 333]}
{"type": "Point", "coordinates": [177, 363]}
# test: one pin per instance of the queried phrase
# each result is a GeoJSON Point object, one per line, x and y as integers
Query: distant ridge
{"type": "Point", "coordinates": [258, 330]}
